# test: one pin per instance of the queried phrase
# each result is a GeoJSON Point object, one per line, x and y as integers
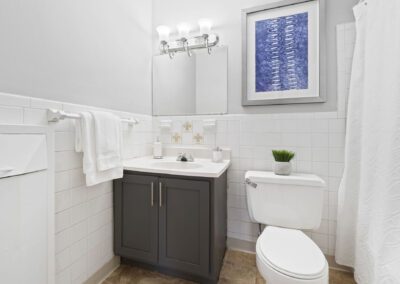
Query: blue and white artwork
{"type": "Point", "coordinates": [281, 53]}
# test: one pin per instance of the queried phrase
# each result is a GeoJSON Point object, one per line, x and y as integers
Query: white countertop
{"type": "Point", "coordinates": [169, 165]}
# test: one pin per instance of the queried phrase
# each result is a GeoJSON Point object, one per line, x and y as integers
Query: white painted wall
{"type": "Point", "coordinates": [226, 15]}
{"type": "Point", "coordinates": [94, 52]}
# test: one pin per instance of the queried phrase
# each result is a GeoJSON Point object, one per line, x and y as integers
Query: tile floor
{"type": "Point", "coordinates": [238, 268]}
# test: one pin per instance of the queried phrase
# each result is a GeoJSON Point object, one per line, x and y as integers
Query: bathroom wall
{"type": "Point", "coordinates": [83, 217]}
{"type": "Point", "coordinates": [94, 52]}
{"type": "Point", "coordinates": [316, 137]}
{"type": "Point", "coordinates": [94, 61]}
{"type": "Point", "coordinates": [226, 15]}
{"type": "Point", "coordinates": [315, 131]}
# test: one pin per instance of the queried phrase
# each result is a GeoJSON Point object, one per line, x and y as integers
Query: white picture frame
{"type": "Point", "coordinates": [272, 73]}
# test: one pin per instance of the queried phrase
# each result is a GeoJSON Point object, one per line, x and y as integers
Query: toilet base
{"type": "Point", "coordinates": [274, 277]}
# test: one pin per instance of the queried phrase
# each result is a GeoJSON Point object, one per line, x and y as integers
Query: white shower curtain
{"type": "Point", "coordinates": [368, 230]}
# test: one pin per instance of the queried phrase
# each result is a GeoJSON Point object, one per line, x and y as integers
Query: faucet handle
{"type": "Point", "coordinates": [184, 157]}
{"type": "Point", "coordinates": [181, 156]}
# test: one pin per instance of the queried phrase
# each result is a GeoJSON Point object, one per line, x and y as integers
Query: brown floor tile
{"type": "Point", "coordinates": [238, 268]}
{"type": "Point", "coordinates": [240, 258]}
{"type": "Point", "coordinates": [134, 275]}
{"type": "Point", "coordinates": [259, 278]}
{"type": "Point", "coordinates": [340, 277]}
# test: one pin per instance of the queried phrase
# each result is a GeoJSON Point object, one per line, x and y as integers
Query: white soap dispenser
{"type": "Point", "coordinates": [217, 155]}
{"type": "Point", "coordinates": [157, 149]}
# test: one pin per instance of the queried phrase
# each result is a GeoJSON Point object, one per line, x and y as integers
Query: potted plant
{"type": "Point", "coordinates": [283, 166]}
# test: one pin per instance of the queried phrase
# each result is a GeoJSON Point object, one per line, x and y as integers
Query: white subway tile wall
{"type": "Point", "coordinates": [83, 215]}
{"type": "Point", "coordinates": [319, 149]}
{"type": "Point", "coordinates": [317, 138]}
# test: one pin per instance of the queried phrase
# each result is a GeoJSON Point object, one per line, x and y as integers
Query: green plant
{"type": "Point", "coordinates": [283, 155]}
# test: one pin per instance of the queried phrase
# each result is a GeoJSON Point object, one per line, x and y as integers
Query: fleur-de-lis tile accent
{"type": "Point", "coordinates": [176, 138]}
{"type": "Point", "coordinates": [187, 126]}
{"type": "Point", "coordinates": [198, 139]}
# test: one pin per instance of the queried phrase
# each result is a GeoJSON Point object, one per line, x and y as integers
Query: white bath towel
{"type": "Point", "coordinates": [108, 136]}
{"type": "Point", "coordinates": [85, 141]}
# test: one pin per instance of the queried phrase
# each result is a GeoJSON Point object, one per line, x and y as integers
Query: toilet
{"type": "Point", "coordinates": [287, 205]}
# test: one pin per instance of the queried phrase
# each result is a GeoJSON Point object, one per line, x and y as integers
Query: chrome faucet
{"type": "Point", "coordinates": [183, 157]}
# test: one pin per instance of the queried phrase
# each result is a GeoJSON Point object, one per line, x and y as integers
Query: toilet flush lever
{"type": "Point", "coordinates": [249, 182]}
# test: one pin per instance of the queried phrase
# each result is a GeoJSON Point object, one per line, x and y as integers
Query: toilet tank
{"type": "Point", "coordinates": [293, 201]}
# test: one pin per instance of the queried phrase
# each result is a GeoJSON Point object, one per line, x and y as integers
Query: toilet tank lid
{"type": "Point", "coordinates": [293, 179]}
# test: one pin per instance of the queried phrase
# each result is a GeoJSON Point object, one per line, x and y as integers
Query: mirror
{"type": "Point", "coordinates": [192, 85]}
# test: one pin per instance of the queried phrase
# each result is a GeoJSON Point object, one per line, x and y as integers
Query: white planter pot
{"type": "Point", "coordinates": [283, 168]}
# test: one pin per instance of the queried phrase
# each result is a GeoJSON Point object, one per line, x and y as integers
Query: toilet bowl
{"type": "Point", "coordinates": [287, 205]}
{"type": "Point", "coordinates": [287, 256]}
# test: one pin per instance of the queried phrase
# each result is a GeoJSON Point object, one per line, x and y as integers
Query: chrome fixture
{"type": "Point", "coordinates": [163, 33]}
{"type": "Point", "coordinates": [249, 182]}
{"type": "Point", "coordinates": [183, 31]}
{"type": "Point", "coordinates": [183, 157]}
{"type": "Point", "coordinates": [152, 194]}
{"type": "Point", "coordinates": [184, 43]}
{"type": "Point", "coordinates": [186, 46]}
{"type": "Point", "coordinates": [160, 194]}
{"type": "Point", "coordinates": [205, 30]}
{"type": "Point", "coordinates": [55, 115]}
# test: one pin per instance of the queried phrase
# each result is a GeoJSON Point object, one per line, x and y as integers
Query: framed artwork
{"type": "Point", "coordinates": [283, 53]}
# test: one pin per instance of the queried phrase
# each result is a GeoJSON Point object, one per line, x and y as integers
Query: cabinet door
{"type": "Point", "coordinates": [136, 217]}
{"type": "Point", "coordinates": [184, 225]}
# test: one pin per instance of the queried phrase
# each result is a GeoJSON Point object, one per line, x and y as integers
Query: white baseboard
{"type": "Point", "coordinates": [104, 272]}
{"type": "Point", "coordinates": [241, 245]}
{"type": "Point", "coordinates": [333, 265]}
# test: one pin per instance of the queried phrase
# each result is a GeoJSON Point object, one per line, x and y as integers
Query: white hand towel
{"type": "Point", "coordinates": [78, 136]}
{"type": "Point", "coordinates": [85, 142]}
{"type": "Point", "coordinates": [108, 138]}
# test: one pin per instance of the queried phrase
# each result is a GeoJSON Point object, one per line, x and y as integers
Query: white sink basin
{"type": "Point", "coordinates": [177, 165]}
{"type": "Point", "coordinates": [169, 165]}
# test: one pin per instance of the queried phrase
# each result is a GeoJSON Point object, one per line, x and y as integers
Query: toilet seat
{"type": "Point", "coordinates": [291, 253]}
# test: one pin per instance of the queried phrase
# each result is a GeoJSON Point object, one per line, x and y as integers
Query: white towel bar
{"type": "Point", "coordinates": [55, 115]}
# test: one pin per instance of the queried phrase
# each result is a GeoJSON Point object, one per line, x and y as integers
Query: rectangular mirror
{"type": "Point", "coordinates": [192, 85]}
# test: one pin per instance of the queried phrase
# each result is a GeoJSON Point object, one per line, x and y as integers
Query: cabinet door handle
{"type": "Point", "coordinates": [152, 194]}
{"type": "Point", "coordinates": [160, 192]}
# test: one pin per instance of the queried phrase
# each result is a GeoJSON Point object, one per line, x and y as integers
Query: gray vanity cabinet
{"type": "Point", "coordinates": [174, 224]}
{"type": "Point", "coordinates": [184, 225]}
{"type": "Point", "coordinates": [136, 207]}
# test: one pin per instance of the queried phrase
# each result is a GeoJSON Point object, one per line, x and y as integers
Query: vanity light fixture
{"type": "Point", "coordinates": [205, 29]}
{"type": "Point", "coordinates": [183, 31]}
{"type": "Point", "coordinates": [185, 42]}
{"type": "Point", "coordinates": [205, 26]}
{"type": "Point", "coordinates": [163, 36]}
